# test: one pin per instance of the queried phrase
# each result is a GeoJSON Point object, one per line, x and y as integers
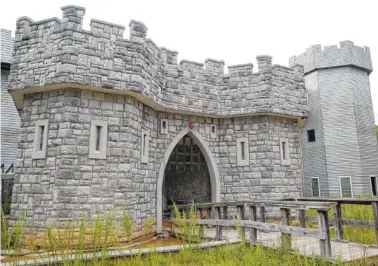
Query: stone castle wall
{"type": "Point", "coordinates": [72, 77]}
{"type": "Point", "coordinates": [55, 51]}
{"type": "Point", "coordinates": [68, 183]}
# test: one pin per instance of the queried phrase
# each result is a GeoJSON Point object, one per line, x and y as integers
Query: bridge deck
{"type": "Point", "coordinates": [343, 250]}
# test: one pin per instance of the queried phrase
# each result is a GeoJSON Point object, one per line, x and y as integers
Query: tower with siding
{"type": "Point", "coordinates": [10, 119]}
{"type": "Point", "coordinates": [340, 152]}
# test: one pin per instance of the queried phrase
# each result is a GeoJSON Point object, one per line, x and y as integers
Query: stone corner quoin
{"type": "Point", "coordinates": [71, 77]}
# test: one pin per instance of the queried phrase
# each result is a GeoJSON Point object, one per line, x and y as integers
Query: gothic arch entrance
{"type": "Point", "coordinates": [211, 166]}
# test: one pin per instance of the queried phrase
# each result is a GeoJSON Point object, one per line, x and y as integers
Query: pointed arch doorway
{"type": "Point", "coordinates": [211, 167]}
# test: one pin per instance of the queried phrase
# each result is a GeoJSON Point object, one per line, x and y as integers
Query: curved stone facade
{"type": "Point", "coordinates": [71, 79]}
{"type": "Point", "coordinates": [55, 51]}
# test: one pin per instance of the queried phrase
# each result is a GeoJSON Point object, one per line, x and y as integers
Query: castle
{"type": "Point", "coordinates": [108, 121]}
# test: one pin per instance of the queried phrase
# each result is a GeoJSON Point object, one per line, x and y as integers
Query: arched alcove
{"type": "Point", "coordinates": [210, 162]}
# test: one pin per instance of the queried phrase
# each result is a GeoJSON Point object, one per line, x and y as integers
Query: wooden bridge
{"type": "Point", "coordinates": [251, 217]}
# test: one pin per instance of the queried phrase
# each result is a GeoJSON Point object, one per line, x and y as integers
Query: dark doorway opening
{"type": "Point", "coordinates": [186, 176]}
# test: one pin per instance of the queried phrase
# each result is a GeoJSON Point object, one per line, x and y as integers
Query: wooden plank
{"type": "Point", "coordinates": [355, 223]}
{"type": "Point", "coordinates": [275, 203]}
{"type": "Point", "coordinates": [342, 201]}
{"type": "Point", "coordinates": [315, 233]}
{"type": "Point", "coordinates": [359, 223]}
{"type": "Point", "coordinates": [253, 231]}
{"type": "Point", "coordinates": [241, 216]}
{"type": "Point", "coordinates": [218, 228]}
{"type": "Point", "coordinates": [338, 222]}
{"type": "Point", "coordinates": [199, 217]}
{"type": "Point", "coordinates": [285, 220]}
{"type": "Point", "coordinates": [172, 225]}
{"type": "Point", "coordinates": [302, 218]}
{"type": "Point", "coordinates": [325, 244]}
{"type": "Point", "coordinates": [293, 204]}
{"type": "Point", "coordinates": [375, 215]}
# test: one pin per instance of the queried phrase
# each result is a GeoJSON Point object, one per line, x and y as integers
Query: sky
{"type": "Point", "coordinates": [234, 31]}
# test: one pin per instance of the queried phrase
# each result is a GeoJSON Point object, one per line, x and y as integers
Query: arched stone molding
{"type": "Point", "coordinates": [211, 165]}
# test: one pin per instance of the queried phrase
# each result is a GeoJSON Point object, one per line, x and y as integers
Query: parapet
{"type": "Point", "coordinates": [54, 53]}
{"type": "Point", "coordinates": [347, 54]}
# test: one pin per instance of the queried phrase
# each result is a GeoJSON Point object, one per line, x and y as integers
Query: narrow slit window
{"type": "Point", "coordinates": [144, 144]}
{"type": "Point", "coordinates": [40, 139]}
{"type": "Point", "coordinates": [242, 149]}
{"type": "Point", "coordinates": [213, 132]}
{"type": "Point", "coordinates": [311, 135]}
{"type": "Point", "coordinates": [164, 126]}
{"type": "Point", "coordinates": [98, 137]}
{"type": "Point", "coordinates": [242, 152]}
{"type": "Point", "coordinates": [284, 150]}
{"type": "Point", "coordinates": [41, 133]}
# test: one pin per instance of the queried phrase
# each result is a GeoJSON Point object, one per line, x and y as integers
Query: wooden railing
{"type": "Point", "coordinates": [216, 214]}
{"type": "Point", "coordinates": [338, 221]}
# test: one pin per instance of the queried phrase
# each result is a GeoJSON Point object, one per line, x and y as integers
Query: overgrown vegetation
{"type": "Point", "coordinates": [353, 212]}
{"type": "Point", "coordinates": [80, 238]}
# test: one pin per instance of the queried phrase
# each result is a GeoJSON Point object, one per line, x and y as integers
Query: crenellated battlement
{"type": "Point", "coordinates": [346, 54]}
{"type": "Point", "coordinates": [54, 52]}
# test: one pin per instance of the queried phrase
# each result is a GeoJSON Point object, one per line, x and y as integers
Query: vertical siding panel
{"type": "Point", "coordinates": [363, 108]}
{"type": "Point", "coordinates": [314, 160]}
{"type": "Point", "coordinates": [340, 128]}
{"type": "Point", "coordinates": [10, 119]}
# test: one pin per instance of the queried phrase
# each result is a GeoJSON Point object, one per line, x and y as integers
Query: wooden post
{"type": "Point", "coordinates": [338, 221]}
{"type": "Point", "coordinates": [172, 229]}
{"type": "Point", "coordinates": [325, 244]}
{"type": "Point", "coordinates": [302, 218]}
{"type": "Point", "coordinates": [225, 212]}
{"type": "Point", "coordinates": [218, 228]}
{"type": "Point", "coordinates": [241, 216]}
{"type": "Point", "coordinates": [262, 213]}
{"type": "Point", "coordinates": [286, 220]}
{"type": "Point", "coordinates": [199, 216]}
{"type": "Point", "coordinates": [375, 215]}
{"type": "Point", "coordinates": [209, 213]}
{"type": "Point", "coordinates": [253, 231]}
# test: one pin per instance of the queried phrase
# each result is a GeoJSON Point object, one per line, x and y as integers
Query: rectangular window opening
{"type": "Point", "coordinates": [144, 149]}
{"type": "Point", "coordinates": [242, 149]}
{"type": "Point", "coordinates": [40, 139]}
{"type": "Point", "coordinates": [164, 124]}
{"type": "Point", "coordinates": [41, 133]}
{"type": "Point", "coordinates": [346, 187]}
{"type": "Point", "coordinates": [213, 129]}
{"type": "Point", "coordinates": [315, 187]}
{"type": "Point", "coordinates": [373, 180]}
{"type": "Point", "coordinates": [98, 137]}
{"type": "Point", "coordinates": [311, 135]}
{"type": "Point", "coordinates": [284, 150]}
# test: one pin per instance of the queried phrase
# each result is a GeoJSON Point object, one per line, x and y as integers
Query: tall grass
{"type": "Point", "coordinates": [79, 238]}
{"type": "Point", "coordinates": [353, 212]}
{"type": "Point", "coordinates": [186, 221]}
{"type": "Point", "coordinates": [127, 224]}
